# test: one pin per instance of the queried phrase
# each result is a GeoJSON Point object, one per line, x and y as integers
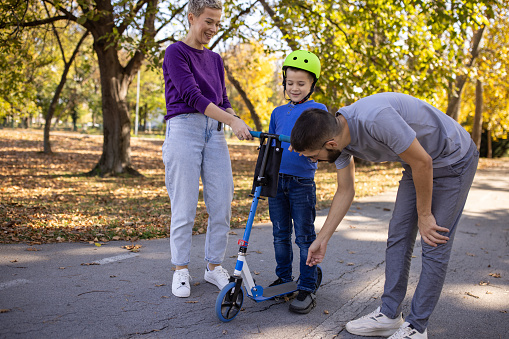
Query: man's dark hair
{"type": "Point", "coordinates": [312, 129]}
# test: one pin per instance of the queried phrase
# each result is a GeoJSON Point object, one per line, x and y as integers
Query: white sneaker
{"type": "Point", "coordinates": [374, 324]}
{"type": "Point", "coordinates": [219, 276]}
{"type": "Point", "coordinates": [407, 332]}
{"type": "Point", "coordinates": [180, 287]}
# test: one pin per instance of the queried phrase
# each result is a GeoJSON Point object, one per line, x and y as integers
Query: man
{"type": "Point", "coordinates": [439, 161]}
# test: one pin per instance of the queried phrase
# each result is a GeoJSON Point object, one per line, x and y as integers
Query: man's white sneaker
{"type": "Point", "coordinates": [219, 276]}
{"type": "Point", "coordinates": [406, 331]}
{"type": "Point", "coordinates": [180, 287]}
{"type": "Point", "coordinates": [374, 324]}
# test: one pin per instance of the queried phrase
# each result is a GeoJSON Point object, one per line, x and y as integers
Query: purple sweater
{"type": "Point", "coordinates": [193, 79]}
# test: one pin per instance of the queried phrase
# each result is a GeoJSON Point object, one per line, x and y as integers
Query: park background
{"type": "Point", "coordinates": [83, 97]}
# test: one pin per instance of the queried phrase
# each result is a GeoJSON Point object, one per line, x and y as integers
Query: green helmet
{"type": "Point", "coordinates": [303, 60]}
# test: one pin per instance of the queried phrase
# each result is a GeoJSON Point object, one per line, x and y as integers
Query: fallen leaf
{"type": "Point", "coordinates": [495, 275]}
{"type": "Point", "coordinates": [471, 254]}
{"type": "Point", "coordinates": [326, 312]}
{"type": "Point", "coordinates": [90, 263]}
{"type": "Point", "coordinates": [471, 295]}
{"type": "Point", "coordinates": [14, 260]}
{"type": "Point", "coordinates": [4, 310]}
{"type": "Point", "coordinates": [97, 244]}
{"type": "Point", "coordinates": [350, 264]}
{"type": "Point", "coordinates": [191, 302]}
{"type": "Point", "coordinates": [256, 273]}
{"type": "Point", "coordinates": [484, 283]}
{"type": "Point", "coordinates": [32, 249]}
{"type": "Point", "coordinates": [159, 285]}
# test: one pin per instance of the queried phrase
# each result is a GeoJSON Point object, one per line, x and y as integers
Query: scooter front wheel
{"type": "Point", "coordinates": [229, 302]}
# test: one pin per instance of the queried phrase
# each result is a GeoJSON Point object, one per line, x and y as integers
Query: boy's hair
{"type": "Point", "coordinates": [312, 76]}
{"type": "Point", "coordinates": [197, 7]}
{"type": "Point", "coordinates": [312, 129]}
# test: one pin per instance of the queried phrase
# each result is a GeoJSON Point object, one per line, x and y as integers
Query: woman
{"type": "Point", "coordinates": [197, 107]}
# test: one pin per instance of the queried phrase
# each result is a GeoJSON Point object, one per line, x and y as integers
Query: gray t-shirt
{"type": "Point", "coordinates": [384, 125]}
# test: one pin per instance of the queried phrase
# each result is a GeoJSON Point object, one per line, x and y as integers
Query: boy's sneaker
{"type": "Point", "coordinates": [304, 302]}
{"type": "Point", "coordinates": [375, 324]}
{"type": "Point", "coordinates": [180, 287]}
{"type": "Point", "coordinates": [276, 282]}
{"type": "Point", "coordinates": [219, 276]}
{"type": "Point", "coordinates": [407, 331]}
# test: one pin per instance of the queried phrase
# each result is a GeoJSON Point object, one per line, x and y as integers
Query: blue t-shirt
{"type": "Point", "coordinates": [281, 122]}
{"type": "Point", "coordinates": [385, 124]}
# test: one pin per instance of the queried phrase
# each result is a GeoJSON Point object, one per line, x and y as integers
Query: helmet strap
{"type": "Point", "coordinates": [303, 99]}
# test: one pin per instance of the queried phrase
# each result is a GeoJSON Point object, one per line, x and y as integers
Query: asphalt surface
{"type": "Point", "coordinates": [77, 290]}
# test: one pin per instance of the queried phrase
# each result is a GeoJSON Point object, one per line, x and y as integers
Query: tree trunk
{"type": "Point", "coordinates": [489, 153]}
{"type": "Point", "coordinates": [454, 96]}
{"type": "Point", "coordinates": [247, 101]}
{"type": "Point", "coordinates": [456, 88]}
{"type": "Point", "coordinates": [477, 128]}
{"type": "Point", "coordinates": [116, 155]}
{"type": "Point", "coordinates": [54, 101]}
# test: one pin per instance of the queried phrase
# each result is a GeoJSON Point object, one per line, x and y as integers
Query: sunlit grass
{"type": "Point", "coordinates": [45, 198]}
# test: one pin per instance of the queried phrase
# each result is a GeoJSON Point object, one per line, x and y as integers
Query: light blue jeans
{"type": "Point", "coordinates": [194, 148]}
{"type": "Point", "coordinates": [451, 185]}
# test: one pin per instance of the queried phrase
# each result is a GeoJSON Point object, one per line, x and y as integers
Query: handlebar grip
{"type": "Point", "coordinates": [284, 138]}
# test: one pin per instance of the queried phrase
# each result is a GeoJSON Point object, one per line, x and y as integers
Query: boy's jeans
{"type": "Point", "coordinates": [193, 147]}
{"type": "Point", "coordinates": [296, 199]}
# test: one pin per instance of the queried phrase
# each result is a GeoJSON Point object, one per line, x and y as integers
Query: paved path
{"type": "Point", "coordinates": [56, 290]}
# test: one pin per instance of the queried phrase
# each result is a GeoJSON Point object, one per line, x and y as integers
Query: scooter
{"type": "Point", "coordinates": [230, 299]}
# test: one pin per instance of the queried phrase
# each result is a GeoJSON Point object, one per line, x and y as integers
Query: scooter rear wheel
{"type": "Point", "coordinates": [227, 304]}
{"type": "Point", "coordinates": [319, 277]}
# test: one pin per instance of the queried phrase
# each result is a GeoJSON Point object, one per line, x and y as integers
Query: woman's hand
{"type": "Point", "coordinates": [240, 129]}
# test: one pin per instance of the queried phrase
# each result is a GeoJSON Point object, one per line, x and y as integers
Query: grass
{"type": "Point", "coordinates": [46, 198]}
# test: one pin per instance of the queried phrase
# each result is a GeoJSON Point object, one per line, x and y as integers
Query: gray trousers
{"type": "Point", "coordinates": [450, 189]}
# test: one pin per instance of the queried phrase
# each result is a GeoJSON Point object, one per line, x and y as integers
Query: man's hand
{"type": "Point", "coordinates": [316, 252]}
{"type": "Point", "coordinates": [429, 229]}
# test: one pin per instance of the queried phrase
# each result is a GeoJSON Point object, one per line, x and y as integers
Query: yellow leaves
{"type": "Point", "coordinates": [132, 248]}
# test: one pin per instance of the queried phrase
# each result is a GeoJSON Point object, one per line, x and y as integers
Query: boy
{"type": "Point", "coordinates": [439, 160]}
{"type": "Point", "coordinates": [296, 196]}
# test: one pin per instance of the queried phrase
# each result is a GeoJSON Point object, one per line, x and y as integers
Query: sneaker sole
{"type": "Point", "coordinates": [374, 333]}
{"type": "Point", "coordinates": [303, 310]}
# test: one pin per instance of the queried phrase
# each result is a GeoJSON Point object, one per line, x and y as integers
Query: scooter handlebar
{"type": "Point", "coordinates": [280, 137]}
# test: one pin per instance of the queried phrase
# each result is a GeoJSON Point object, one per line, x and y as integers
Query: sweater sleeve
{"type": "Point", "coordinates": [178, 67]}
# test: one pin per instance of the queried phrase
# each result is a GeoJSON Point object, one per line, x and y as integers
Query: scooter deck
{"type": "Point", "coordinates": [274, 291]}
